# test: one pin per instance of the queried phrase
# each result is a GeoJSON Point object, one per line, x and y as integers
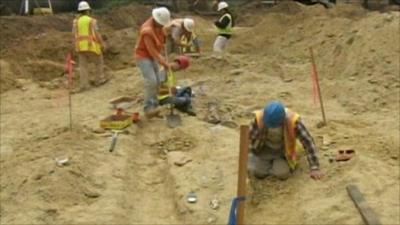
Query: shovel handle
{"type": "Point", "coordinates": [113, 141]}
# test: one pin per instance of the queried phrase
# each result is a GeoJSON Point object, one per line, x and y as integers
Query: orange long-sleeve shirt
{"type": "Point", "coordinates": [150, 43]}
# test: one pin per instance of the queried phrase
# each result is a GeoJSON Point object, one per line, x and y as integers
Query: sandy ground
{"type": "Point", "coordinates": [357, 54]}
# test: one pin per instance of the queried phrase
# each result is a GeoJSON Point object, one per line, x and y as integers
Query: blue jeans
{"type": "Point", "coordinates": [182, 99]}
{"type": "Point", "coordinates": [268, 162]}
{"type": "Point", "coordinates": [151, 76]}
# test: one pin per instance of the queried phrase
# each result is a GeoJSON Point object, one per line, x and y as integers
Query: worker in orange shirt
{"type": "Point", "coordinates": [148, 57]}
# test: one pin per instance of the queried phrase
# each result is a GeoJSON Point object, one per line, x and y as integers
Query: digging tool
{"type": "Point", "coordinates": [114, 140]}
{"type": "Point", "coordinates": [173, 120]}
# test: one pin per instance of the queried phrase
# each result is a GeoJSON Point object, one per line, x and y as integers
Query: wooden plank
{"type": "Point", "coordinates": [366, 212]}
{"type": "Point", "coordinates": [241, 191]}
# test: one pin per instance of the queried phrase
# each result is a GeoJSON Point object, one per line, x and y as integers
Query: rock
{"type": "Point", "coordinates": [108, 134]}
{"type": "Point", "coordinates": [387, 17]}
{"type": "Point", "coordinates": [211, 219]}
{"type": "Point", "coordinates": [214, 119]}
{"type": "Point", "coordinates": [320, 124]}
{"type": "Point", "coordinates": [352, 78]}
{"type": "Point", "coordinates": [330, 35]}
{"type": "Point", "coordinates": [91, 194]}
{"type": "Point", "coordinates": [394, 157]}
{"type": "Point", "coordinates": [373, 81]}
{"type": "Point", "coordinates": [42, 137]}
{"type": "Point", "coordinates": [350, 41]}
{"type": "Point", "coordinates": [325, 148]}
{"type": "Point", "coordinates": [38, 177]}
{"type": "Point", "coordinates": [326, 140]}
{"type": "Point", "coordinates": [230, 124]}
{"type": "Point", "coordinates": [98, 130]}
{"type": "Point", "coordinates": [236, 72]}
{"type": "Point", "coordinates": [214, 204]}
{"type": "Point", "coordinates": [179, 158]}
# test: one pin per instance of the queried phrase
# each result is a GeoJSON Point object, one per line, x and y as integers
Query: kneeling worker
{"type": "Point", "coordinates": [274, 147]}
{"type": "Point", "coordinates": [169, 93]}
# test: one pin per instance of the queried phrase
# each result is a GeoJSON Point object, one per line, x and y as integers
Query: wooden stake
{"type": "Point", "coordinates": [366, 212]}
{"type": "Point", "coordinates": [70, 109]}
{"type": "Point", "coordinates": [318, 88]}
{"type": "Point", "coordinates": [70, 71]}
{"type": "Point", "coordinates": [241, 190]}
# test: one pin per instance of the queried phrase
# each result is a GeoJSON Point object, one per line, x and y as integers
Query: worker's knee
{"type": "Point", "coordinates": [256, 172]}
{"type": "Point", "coordinates": [282, 175]}
{"type": "Point", "coordinates": [280, 169]}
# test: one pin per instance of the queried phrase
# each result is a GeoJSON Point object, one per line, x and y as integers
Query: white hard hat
{"type": "Point", "coordinates": [222, 5]}
{"type": "Point", "coordinates": [83, 5]}
{"type": "Point", "coordinates": [161, 15]}
{"type": "Point", "coordinates": [188, 24]}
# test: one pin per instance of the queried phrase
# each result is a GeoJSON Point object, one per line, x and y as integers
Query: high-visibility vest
{"type": "Point", "coordinates": [164, 89]}
{"type": "Point", "coordinates": [85, 37]}
{"type": "Point", "coordinates": [292, 145]}
{"type": "Point", "coordinates": [188, 41]}
{"type": "Point", "coordinates": [228, 29]}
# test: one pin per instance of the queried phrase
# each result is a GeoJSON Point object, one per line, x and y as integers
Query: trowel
{"type": "Point", "coordinates": [173, 120]}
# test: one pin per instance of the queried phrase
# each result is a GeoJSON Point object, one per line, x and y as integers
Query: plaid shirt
{"type": "Point", "coordinates": [302, 134]}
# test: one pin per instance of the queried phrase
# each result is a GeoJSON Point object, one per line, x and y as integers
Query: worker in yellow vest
{"type": "Point", "coordinates": [190, 44]}
{"type": "Point", "coordinates": [89, 45]}
{"type": "Point", "coordinates": [224, 25]}
{"type": "Point", "coordinates": [175, 30]}
{"type": "Point", "coordinates": [277, 134]}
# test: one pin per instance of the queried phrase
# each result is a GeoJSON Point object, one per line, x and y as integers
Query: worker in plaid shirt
{"type": "Point", "coordinates": [274, 136]}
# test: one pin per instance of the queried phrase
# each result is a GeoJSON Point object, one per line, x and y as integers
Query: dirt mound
{"type": "Point", "coordinates": [7, 76]}
{"type": "Point", "coordinates": [153, 168]}
{"type": "Point", "coordinates": [128, 16]}
{"type": "Point", "coordinates": [348, 42]}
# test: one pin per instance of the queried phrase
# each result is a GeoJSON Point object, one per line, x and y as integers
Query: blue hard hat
{"type": "Point", "coordinates": [274, 114]}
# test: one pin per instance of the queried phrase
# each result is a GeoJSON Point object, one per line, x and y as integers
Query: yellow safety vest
{"type": "Point", "coordinates": [292, 145]}
{"type": "Point", "coordinates": [228, 29]}
{"type": "Point", "coordinates": [188, 41]}
{"type": "Point", "coordinates": [165, 87]}
{"type": "Point", "coordinates": [85, 37]}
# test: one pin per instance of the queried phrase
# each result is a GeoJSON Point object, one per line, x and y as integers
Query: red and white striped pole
{"type": "Point", "coordinates": [316, 87]}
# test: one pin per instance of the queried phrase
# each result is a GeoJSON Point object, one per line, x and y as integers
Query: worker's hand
{"type": "Point", "coordinates": [174, 66]}
{"type": "Point", "coordinates": [173, 90]}
{"type": "Point", "coordinates": [316, 174]}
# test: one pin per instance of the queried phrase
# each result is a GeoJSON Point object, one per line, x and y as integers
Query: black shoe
{"type": "Point", "coordinates": [190, 111]}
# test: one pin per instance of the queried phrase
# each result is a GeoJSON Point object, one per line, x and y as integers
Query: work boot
{"type": "Point", "coordinates": [190, 111]}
